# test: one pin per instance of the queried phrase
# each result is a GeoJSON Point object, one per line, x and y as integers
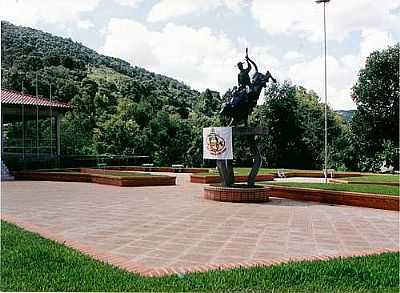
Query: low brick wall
{"type": "Point", "coordinates": [134, 180]}
{"type": "Point", "coordinates": [53, 176]}
{"type": "Point", "coordinates": [93, 171]}
{"type": "Point", "coordinates": [158, 169]}
{"type": "Point", "coordinates": [210, 179]}
{"type": "Point", "coordinates": [99, 177]}
{"type": "Point", "coordinates": [218, 193]}
{"type": "Point", "coordinates": [196, 170]}
{"type": "Point", "coordinates": [368, 200]}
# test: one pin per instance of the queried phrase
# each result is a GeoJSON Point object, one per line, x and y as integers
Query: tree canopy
{"type": "Point", "coordinates": [376, 121]}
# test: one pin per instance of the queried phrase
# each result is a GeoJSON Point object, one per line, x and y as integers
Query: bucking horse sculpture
{"type": "Point", "coordinates": [239, 102]}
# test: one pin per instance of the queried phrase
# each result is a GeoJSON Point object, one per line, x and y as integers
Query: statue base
{"type": "Point", "coordinates": [225, 167]}
{"type": "Point", "coordinates": [237, 193]}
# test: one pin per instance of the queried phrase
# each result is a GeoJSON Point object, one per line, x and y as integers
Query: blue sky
{"type": "Point", "coordinates": [200, 41]}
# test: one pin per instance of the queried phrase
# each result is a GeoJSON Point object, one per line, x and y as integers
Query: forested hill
{"type": "Point", "coordinates": [346, 114]}
{"type": "Point", "coordinates": [117, 108]}
{"type": "Point", "coordinates": [64, 62]}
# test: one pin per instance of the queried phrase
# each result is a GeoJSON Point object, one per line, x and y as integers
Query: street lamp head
{"type": "Point", "coordinates": [322, 1]}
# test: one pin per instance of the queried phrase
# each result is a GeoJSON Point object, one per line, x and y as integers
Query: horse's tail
{"type": "Point", "coordinates": [269, 76]}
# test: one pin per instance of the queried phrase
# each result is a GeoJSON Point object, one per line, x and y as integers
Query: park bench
{"type": "Point", "coordinates": [102, 166]}
{"type": "Point", "coordinates": [148, 166]}
{"type": "Point", "coordinates": [281, 173]}
{"type": "Point", "coordinates": [330, 173]}
{"type": "Point", "coordinates": [178, 168]}
{"type": "Point", "coordinates": [385, 169]}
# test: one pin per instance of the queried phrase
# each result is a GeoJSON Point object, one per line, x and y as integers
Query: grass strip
{"type": "Point", "coordinates": [32, 263]}
{"type": "Point", "coordinates": [374, 178]}
{"type": "Point", "coordinates": [362, 188]}
{"type": "Point", "coordinates": [240, 171]}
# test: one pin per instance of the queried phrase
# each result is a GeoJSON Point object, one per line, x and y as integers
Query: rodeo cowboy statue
{"type": "Point", "coordinates": [242, 99]}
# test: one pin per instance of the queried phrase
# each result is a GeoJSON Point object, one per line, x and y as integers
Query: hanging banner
{"type": "Point", "coordinates": [217, 143]}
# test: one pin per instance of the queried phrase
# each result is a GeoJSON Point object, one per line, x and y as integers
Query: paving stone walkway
{"type": "Point", "coordinates": [173, 226]}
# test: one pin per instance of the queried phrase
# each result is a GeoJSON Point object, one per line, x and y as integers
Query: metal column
{"type": "Point", "coordinates": [37, 131]}
{"type": "Point", "coordinates": [58, 133]}
{"type": "Point", "coordinates": [23, 132]}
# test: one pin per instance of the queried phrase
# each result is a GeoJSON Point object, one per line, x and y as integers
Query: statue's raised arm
{"type": "Point", "coordinates": [252, 62]}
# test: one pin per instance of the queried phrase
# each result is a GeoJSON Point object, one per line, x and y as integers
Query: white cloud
{"type": "Point", "coordinates": [131, 3]}
{"type": "Point", "coordinates": [373, 39]}
{"type": "Point", "coordinates": [342, 71]}
{"type": "Point", "coordinates": [167, 9]}
{"type": "Point", "coordinates": [30, 12]}
{"type": "Point", "coordinates": [85, 24]}
{"type": "Point", "coordinates": [305, 17]}
{"type": "Point", "coordinates": [292, 55]}
{"type": "Point", "coordinates": [199, 57]}
{"type": "Point", "coordinates": [341, 77]}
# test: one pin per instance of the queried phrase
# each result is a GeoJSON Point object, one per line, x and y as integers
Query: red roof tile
{"type": "Point", "coordinates": [13, 97]}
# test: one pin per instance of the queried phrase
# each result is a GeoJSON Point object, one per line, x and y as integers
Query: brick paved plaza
{"type": "Point", "coordinates": [174, 226]}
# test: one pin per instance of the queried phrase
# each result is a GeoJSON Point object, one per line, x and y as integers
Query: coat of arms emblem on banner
{"type": "Point", "coordinates": [215, 143]}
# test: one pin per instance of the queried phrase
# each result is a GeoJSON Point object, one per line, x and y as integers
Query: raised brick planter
{"type": "Point", "coordinates": [219, 193]}
{"type": "Point", "coordinates": [158, 169]}
{"type": "Point", "coordinates": [134, 180]}
{"type": "Point", "coordinates": [210, 179]}
{"type": "Point", "coordinates": [368, 200]}
{"type": "Point", "coordinates": [97, 176]}
{"type": "Point", "coordinates": [195, 170]}
{"type": "Point", "coordinates": [53, 176]}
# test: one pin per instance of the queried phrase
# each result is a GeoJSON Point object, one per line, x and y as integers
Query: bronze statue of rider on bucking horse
{"type": "Point", "coordinates": [242, 99]}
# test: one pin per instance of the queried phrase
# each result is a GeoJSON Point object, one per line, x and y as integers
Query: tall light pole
{"type": "Point", "coordinates": [326, 96]}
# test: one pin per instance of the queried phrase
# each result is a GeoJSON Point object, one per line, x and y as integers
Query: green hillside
{"type": "Point", "coordinates": [118, 108]}
{"type": "Point", "coordinates": [27, 50]}
{"type": "Point", "coordinates": [122, 109]}
{"type": "Point", "coordinates": [346, 114]}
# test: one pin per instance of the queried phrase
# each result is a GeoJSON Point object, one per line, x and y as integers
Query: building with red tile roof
{"type": "Point", "coordinates": [10, 97]}
{"type": "Point", "coordinates": [30, 128]}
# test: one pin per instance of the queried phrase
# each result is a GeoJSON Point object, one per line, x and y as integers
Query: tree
{"type": "Point", "coordinates": [170, 138]}
{"type": "Point", "coordinates": [194, 153]}
{"type": "Point", "coordinates": [208, 103]}
{"type": "Point", "coordinates": [376, 121]}
{"type": "Point", "coordinates": [119, 133]}
{"type": "Point", "coordinates": [294, 118]}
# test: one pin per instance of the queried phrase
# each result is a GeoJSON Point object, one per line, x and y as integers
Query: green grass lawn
{"type": "Point", "coordinates": [366, 188]}
{"type": "Point", "coordinates": [246, 171]}
{"type": "Point", "coordinates": [32, 263]}
{"type": "Point", "coordinates": [240, 171]}
{"type": "Point", "coordinates": [374, 178]}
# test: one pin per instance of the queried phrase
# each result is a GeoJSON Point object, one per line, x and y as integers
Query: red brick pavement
{"type": "Point", "coordinates": [155, 231]}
